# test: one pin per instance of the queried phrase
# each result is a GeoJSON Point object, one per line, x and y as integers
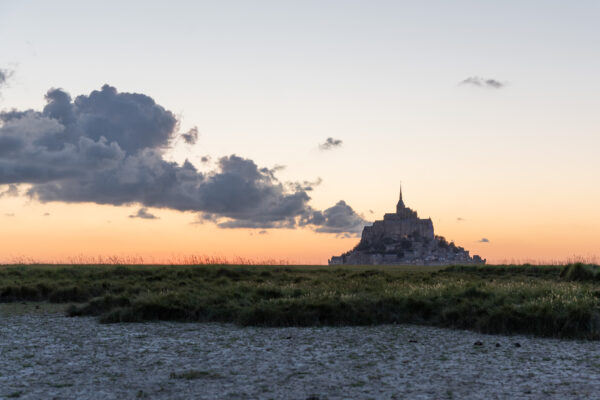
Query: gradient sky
{"type": "Point", "coordinates": [270, 81]}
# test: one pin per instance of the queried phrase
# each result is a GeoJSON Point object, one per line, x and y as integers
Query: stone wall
{"type": "Point", "coordinates": [395, 227]}
{"type": "Point", "coordinates": [413, 250]}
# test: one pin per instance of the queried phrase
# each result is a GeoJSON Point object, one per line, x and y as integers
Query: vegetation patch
{"type": "Point", "coordinates": [551, 301]}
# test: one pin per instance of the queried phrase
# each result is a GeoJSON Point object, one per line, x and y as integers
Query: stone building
{"type": "Point", "coordinates": [404, 238]}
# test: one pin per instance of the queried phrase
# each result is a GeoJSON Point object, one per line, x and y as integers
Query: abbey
{"type": "Point", "coordinates": [404, 238]}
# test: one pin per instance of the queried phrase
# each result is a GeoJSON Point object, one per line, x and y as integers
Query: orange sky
{"type": "Point", "coordinates": [88, 230]}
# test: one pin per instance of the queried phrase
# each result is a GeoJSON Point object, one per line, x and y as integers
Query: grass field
{"type": "Point", "coordinates": [552, 301]}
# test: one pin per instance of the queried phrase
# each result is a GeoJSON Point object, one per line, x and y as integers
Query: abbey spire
{"type": "Point", "coordinates": [400, 206]}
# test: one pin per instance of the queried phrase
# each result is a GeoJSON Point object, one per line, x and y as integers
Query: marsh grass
{"type": "Point", "coordinates": [552, 301]}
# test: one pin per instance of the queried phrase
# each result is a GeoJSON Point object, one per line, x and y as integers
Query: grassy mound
{"type": "Point", "coordinates": [580, 272]}
{"type": "Point", "coordinates": [548, 301]}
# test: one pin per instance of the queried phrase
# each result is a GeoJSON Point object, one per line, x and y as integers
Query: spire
{"type": "Point", "coordinates": [400, 198]}
{"type": "Point", "coordinates": [400, 204]}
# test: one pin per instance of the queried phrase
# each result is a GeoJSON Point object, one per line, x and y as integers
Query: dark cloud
{"type": "Point", "coordinates": [9, 215]}
{"type": "Point", "coordinates": [460, 219]}
{"type": "Point", "coordinates": [205, 159]}
{"type": "Point", "coordinates": [191, 136]}
{"type": "Point", "coordinates": [304, 185]}
{"type": "Point", "coordinates": [482, 82]}
{"type": "Point", "coordinates": [483, 240]}
{"type": "Point", "coordinates": [330, 144]}
{"type": "Point", "coordinates": [494, 83]}
{"type": "Point", "coordinates": [310, 185]}
{"type": "Point", "coordinates": [107, 148]}
{"type": "Point", "coordinates": [249, 197]}
{"type": "Point", "coordinates": [340, 218]}
{"type": "Point", "coordinates": [46, 214]}
{"type": "Point", "coordinates": [143, 214]}
{"type": "Point", "coordinates": [263, 232]}
{"type": "Point", "coordinates": [11, 191]}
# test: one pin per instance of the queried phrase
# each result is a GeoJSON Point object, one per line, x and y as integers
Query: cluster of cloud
{"type": "Point", "coordinates": [484, 240]}
{"type": "Point", "coordinates": [483, 82]}
{"type": "Point", "coordinates": [107, 148]}
{"type": "Point", "coordinates": [330, 144]}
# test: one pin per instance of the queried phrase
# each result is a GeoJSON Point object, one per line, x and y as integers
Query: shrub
{"type": "Point", "coordinates": [578, 272]}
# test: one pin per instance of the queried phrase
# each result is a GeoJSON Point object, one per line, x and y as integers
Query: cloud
{"type": "Point", "coordinates": [263, 232]}
{"type": "Point", "coordinates": [143, 214]}
{"type": "Point", "coordinates": [191, 136]}
{"type": "Point", "coordinates": [340, 218]}
{"type": "Point", "coordinates": [492, 83]}
{"type": "Point", "coordinates": [484, 240]}
{"type": "Point", "coordinates": [310, 185]}
{"type": "Point", "coordinates": [4, 76]}
{"type": "Point", "coordinates": [9, 215]}
{"type": "Point", "coordinates": [107, 148]}
{"type": "Point", "coordinates": [205, 159]}
{"type": "Point", "coordinates": [483, 82]}
{"type": "Point", "coordinates": [330, 144]}
{"type": "Point", "coordinates": [304, 185]}
{"type": "Point", "coordinates": [460, 219]}
{"type": "Point", "coordinates": [11, 191]}
{"type": "Point", "coordinates": [345, 235]}
{"type": "Point", "coordinates": [46, 214]}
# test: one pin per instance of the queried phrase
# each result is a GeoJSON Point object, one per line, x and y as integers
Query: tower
{"type": "Point", "coordinates": [400, 206]}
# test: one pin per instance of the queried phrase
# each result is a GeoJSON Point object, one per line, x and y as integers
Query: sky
{"type": "Point", "coordinates": [278, 129]}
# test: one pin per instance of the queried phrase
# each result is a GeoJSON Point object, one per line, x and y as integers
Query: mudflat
{"type": "Point", "coordinates": [48, 355]}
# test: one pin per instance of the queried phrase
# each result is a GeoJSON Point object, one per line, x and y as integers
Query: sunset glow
{"type": "Point", "coordinates": [297, 121]}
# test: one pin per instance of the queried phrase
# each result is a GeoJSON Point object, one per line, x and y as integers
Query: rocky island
{"type": "Point", "coordinates": [402, 238]}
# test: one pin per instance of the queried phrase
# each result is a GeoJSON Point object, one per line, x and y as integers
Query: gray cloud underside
{"type": "Point", "coordinates": [484, 240]}
{"type": "Point", "coordinates": [143, 214]}
{"type": "Point", "coordinates": [330, 144]}
{"type": "Point", "coordinates": [483, 82]}
{"type": "Point", "coordinates": [340, 218]}
{"type": "Point", "coordinates": [107, 148]}
{"type": "Point", "coordinates": [11, 191]}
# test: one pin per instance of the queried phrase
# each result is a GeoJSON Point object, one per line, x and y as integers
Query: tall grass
{"type": "Point", "coordinates": [177, 259]}
{"type": "Point", "coordinates": [554, 301]}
